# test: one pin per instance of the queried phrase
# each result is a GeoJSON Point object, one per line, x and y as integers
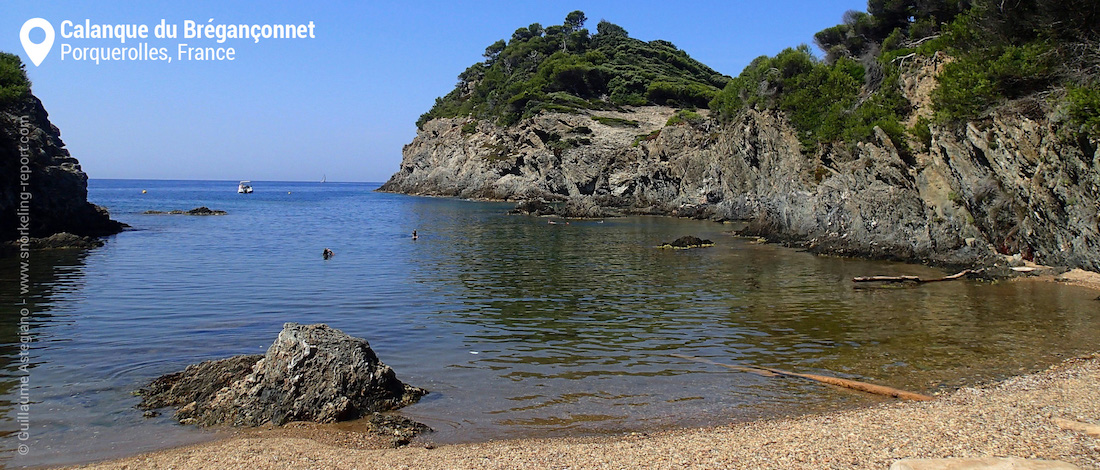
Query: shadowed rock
{"type": "Point", "coordinates": [535, 207]}
{"type": "Point", "coordinates": [311, 373]}
{"type": "Point", "coordinates": [687, 242]}
{"type": "Point", "coordinates": [196, 211]}
{"type": "Point", "coordinates": [31, 148]}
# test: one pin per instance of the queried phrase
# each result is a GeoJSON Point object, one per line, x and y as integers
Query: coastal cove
{"type": "Point", "coordinates": [518, 328]}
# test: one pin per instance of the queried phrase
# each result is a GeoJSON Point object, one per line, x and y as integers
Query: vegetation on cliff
{"type": "Point", "coordinates": [1035, 54]}
{"type": "Point", "coordinates": [13, 79]}
{"type": "Point", "coordinates": [565, 68]}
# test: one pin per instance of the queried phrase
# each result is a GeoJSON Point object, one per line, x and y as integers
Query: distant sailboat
{"type": "Point", "coordinates": [323, 178]}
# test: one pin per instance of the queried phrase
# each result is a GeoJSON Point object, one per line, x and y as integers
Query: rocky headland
{"type": "Point", "coordinates": [35, 162]}
{"type": "Point", "coordinates": [1011, 183]}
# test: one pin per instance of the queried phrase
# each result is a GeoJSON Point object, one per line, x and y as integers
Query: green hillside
{"type": "Point", "coordinates": [565, 68]}
{"type": "Point", "coordinates": [1040, 56]}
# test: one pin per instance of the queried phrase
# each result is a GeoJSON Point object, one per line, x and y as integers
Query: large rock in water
{"type": "Point", "coordinates": [311, 373]}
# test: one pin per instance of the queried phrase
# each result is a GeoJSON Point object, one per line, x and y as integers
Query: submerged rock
{"type": "Point", "coordinates": [196, 211]}
{"type": "Point", "coordinates": [57, 241]}
{"type": "Point", "coordinates": [64, 241]}
{"type": "Point", "coordinates": [310, 373]}
{"type": "Point", "coordinates": [688, 242]}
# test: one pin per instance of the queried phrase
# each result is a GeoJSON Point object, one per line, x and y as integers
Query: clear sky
{"type": "Point", "coordinates": [343, 103]}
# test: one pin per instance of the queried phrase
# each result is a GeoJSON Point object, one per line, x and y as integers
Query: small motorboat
{"type": "Point", "coordinates": [244, 188]}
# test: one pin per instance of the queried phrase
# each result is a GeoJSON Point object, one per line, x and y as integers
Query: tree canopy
{"type": "Point", "coordinates": [565, 68]}
{"type": "Point", "coordinates": [13, 78]}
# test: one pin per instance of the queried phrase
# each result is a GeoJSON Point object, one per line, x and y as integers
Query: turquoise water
{"type": "Point", "coordinates": [518, 327]}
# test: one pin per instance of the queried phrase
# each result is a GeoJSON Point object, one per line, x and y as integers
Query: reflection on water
{"type": "Point", "coordinates": [518, 327]}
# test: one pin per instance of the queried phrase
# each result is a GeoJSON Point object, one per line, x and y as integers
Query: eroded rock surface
{"type": "Point", "coordinates": [310, 373]}
{"type": "Point", "coordinates": [1008, 184]}
{"type": "Point", "coordinates": [31, 148]}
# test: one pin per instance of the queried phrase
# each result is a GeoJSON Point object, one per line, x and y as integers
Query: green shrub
{"type": "Point", "coordinates": [922, 132]}
{"type": "Point", "coordinates": [645, 137]}
{"type": "Point", "coordinates": [685, 116]}
{"type": "Point", "coordinates": [469, 127]}
{"type": "Point", "coordinates": [970, 86]}
{"type": "Point", "coordinates": [1084, 109]}
{"type": "Point", "coordinates": [14, 84]}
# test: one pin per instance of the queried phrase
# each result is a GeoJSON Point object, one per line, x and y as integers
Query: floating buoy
{"type": "Point", "coordinates": [143, 191]}
{"type": "Point", "coordinates": [288, 192]}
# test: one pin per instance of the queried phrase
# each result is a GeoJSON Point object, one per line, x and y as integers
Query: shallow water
{"type": "Point", "coordinates": [518, 327]}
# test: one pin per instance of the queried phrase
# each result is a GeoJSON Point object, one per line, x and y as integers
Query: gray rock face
{"type": "Point", "coordinates": [58, 187]}
{"type": "Point", "coordinates": [311, 373]}
{"type": "Point", "coordinates": [1008, 184]}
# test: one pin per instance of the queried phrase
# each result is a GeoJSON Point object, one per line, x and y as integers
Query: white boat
{"type": "Point", "coordinates": [245, 187]}
{"type": "Point", "coordinates": [323, 178]}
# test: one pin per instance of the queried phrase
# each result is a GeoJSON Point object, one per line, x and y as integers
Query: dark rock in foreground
{"type": "Point", "coordinates": [311, 373]}
{"type": "Point", "coordinates": [196, 211]}
{"type": "Point", "coordinates": [688, 242]}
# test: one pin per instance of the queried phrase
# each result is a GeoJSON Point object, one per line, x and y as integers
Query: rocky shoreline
{"type": "Point", "coordinates": [1005, 185]}
{"type": "Point", "coordinates": [43, 192]}
{"type": "Point", "coordinates": [1045, 415]}
{"type": "Point", "coordinates": [30, 145]}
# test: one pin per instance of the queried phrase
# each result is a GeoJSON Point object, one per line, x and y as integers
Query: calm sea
{"type": "Point", "coordinates": [518, 327]}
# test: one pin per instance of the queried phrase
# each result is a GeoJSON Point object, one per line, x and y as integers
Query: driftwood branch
{"type": "Point", "coordinates": [921, 40]}
{"type": "Point", "coordinates": [846, 383]}
{"type": "Point", "coordinates": [902, 58]}
{"type": "Point", "coordinates": [1090, 429]}
{"type": "Point", "coordinates": [916, 279]}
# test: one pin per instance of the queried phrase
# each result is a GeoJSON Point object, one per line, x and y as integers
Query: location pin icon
{"type": "Point", "coordinates": [37, 52]}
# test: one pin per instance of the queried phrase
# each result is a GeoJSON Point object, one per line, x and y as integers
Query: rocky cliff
{"type": "Point", "coordinates": [31, 151]}
{"type": "Point", "coordinates": [1011, 184]}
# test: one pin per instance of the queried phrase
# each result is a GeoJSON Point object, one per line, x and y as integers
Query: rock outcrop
{"type": "Point", "coordinates": [30, 145]}
{"type": "Point", "coordinates": [196, 211]}
{"type": "Point", "coordinates": [1009, 184]}
{"type": "Point", "coordinates": [310, 373]}
{"type": "Point", "coordinates": [689, 241]}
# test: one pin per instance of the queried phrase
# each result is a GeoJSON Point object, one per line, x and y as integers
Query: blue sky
{"type": "Point", "coordinates": [344, 103]}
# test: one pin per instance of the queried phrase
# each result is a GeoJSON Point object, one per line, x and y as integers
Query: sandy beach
{"type": "Point", "coordinates": [1027, 417]}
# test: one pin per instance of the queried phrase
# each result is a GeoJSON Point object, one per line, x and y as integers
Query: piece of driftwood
{"type": "Point", "coordinates": [1090, 429]}
{"type": "Point", "coordinates": [846, 383]}
{"type": "Point", "coordinates": [916, 279]}
{"type": "Point", "coordinates": [751, 370]}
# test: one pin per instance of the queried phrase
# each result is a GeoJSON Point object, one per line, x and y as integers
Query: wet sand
{"type": "Point", "coordinates": [1023, 417]}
